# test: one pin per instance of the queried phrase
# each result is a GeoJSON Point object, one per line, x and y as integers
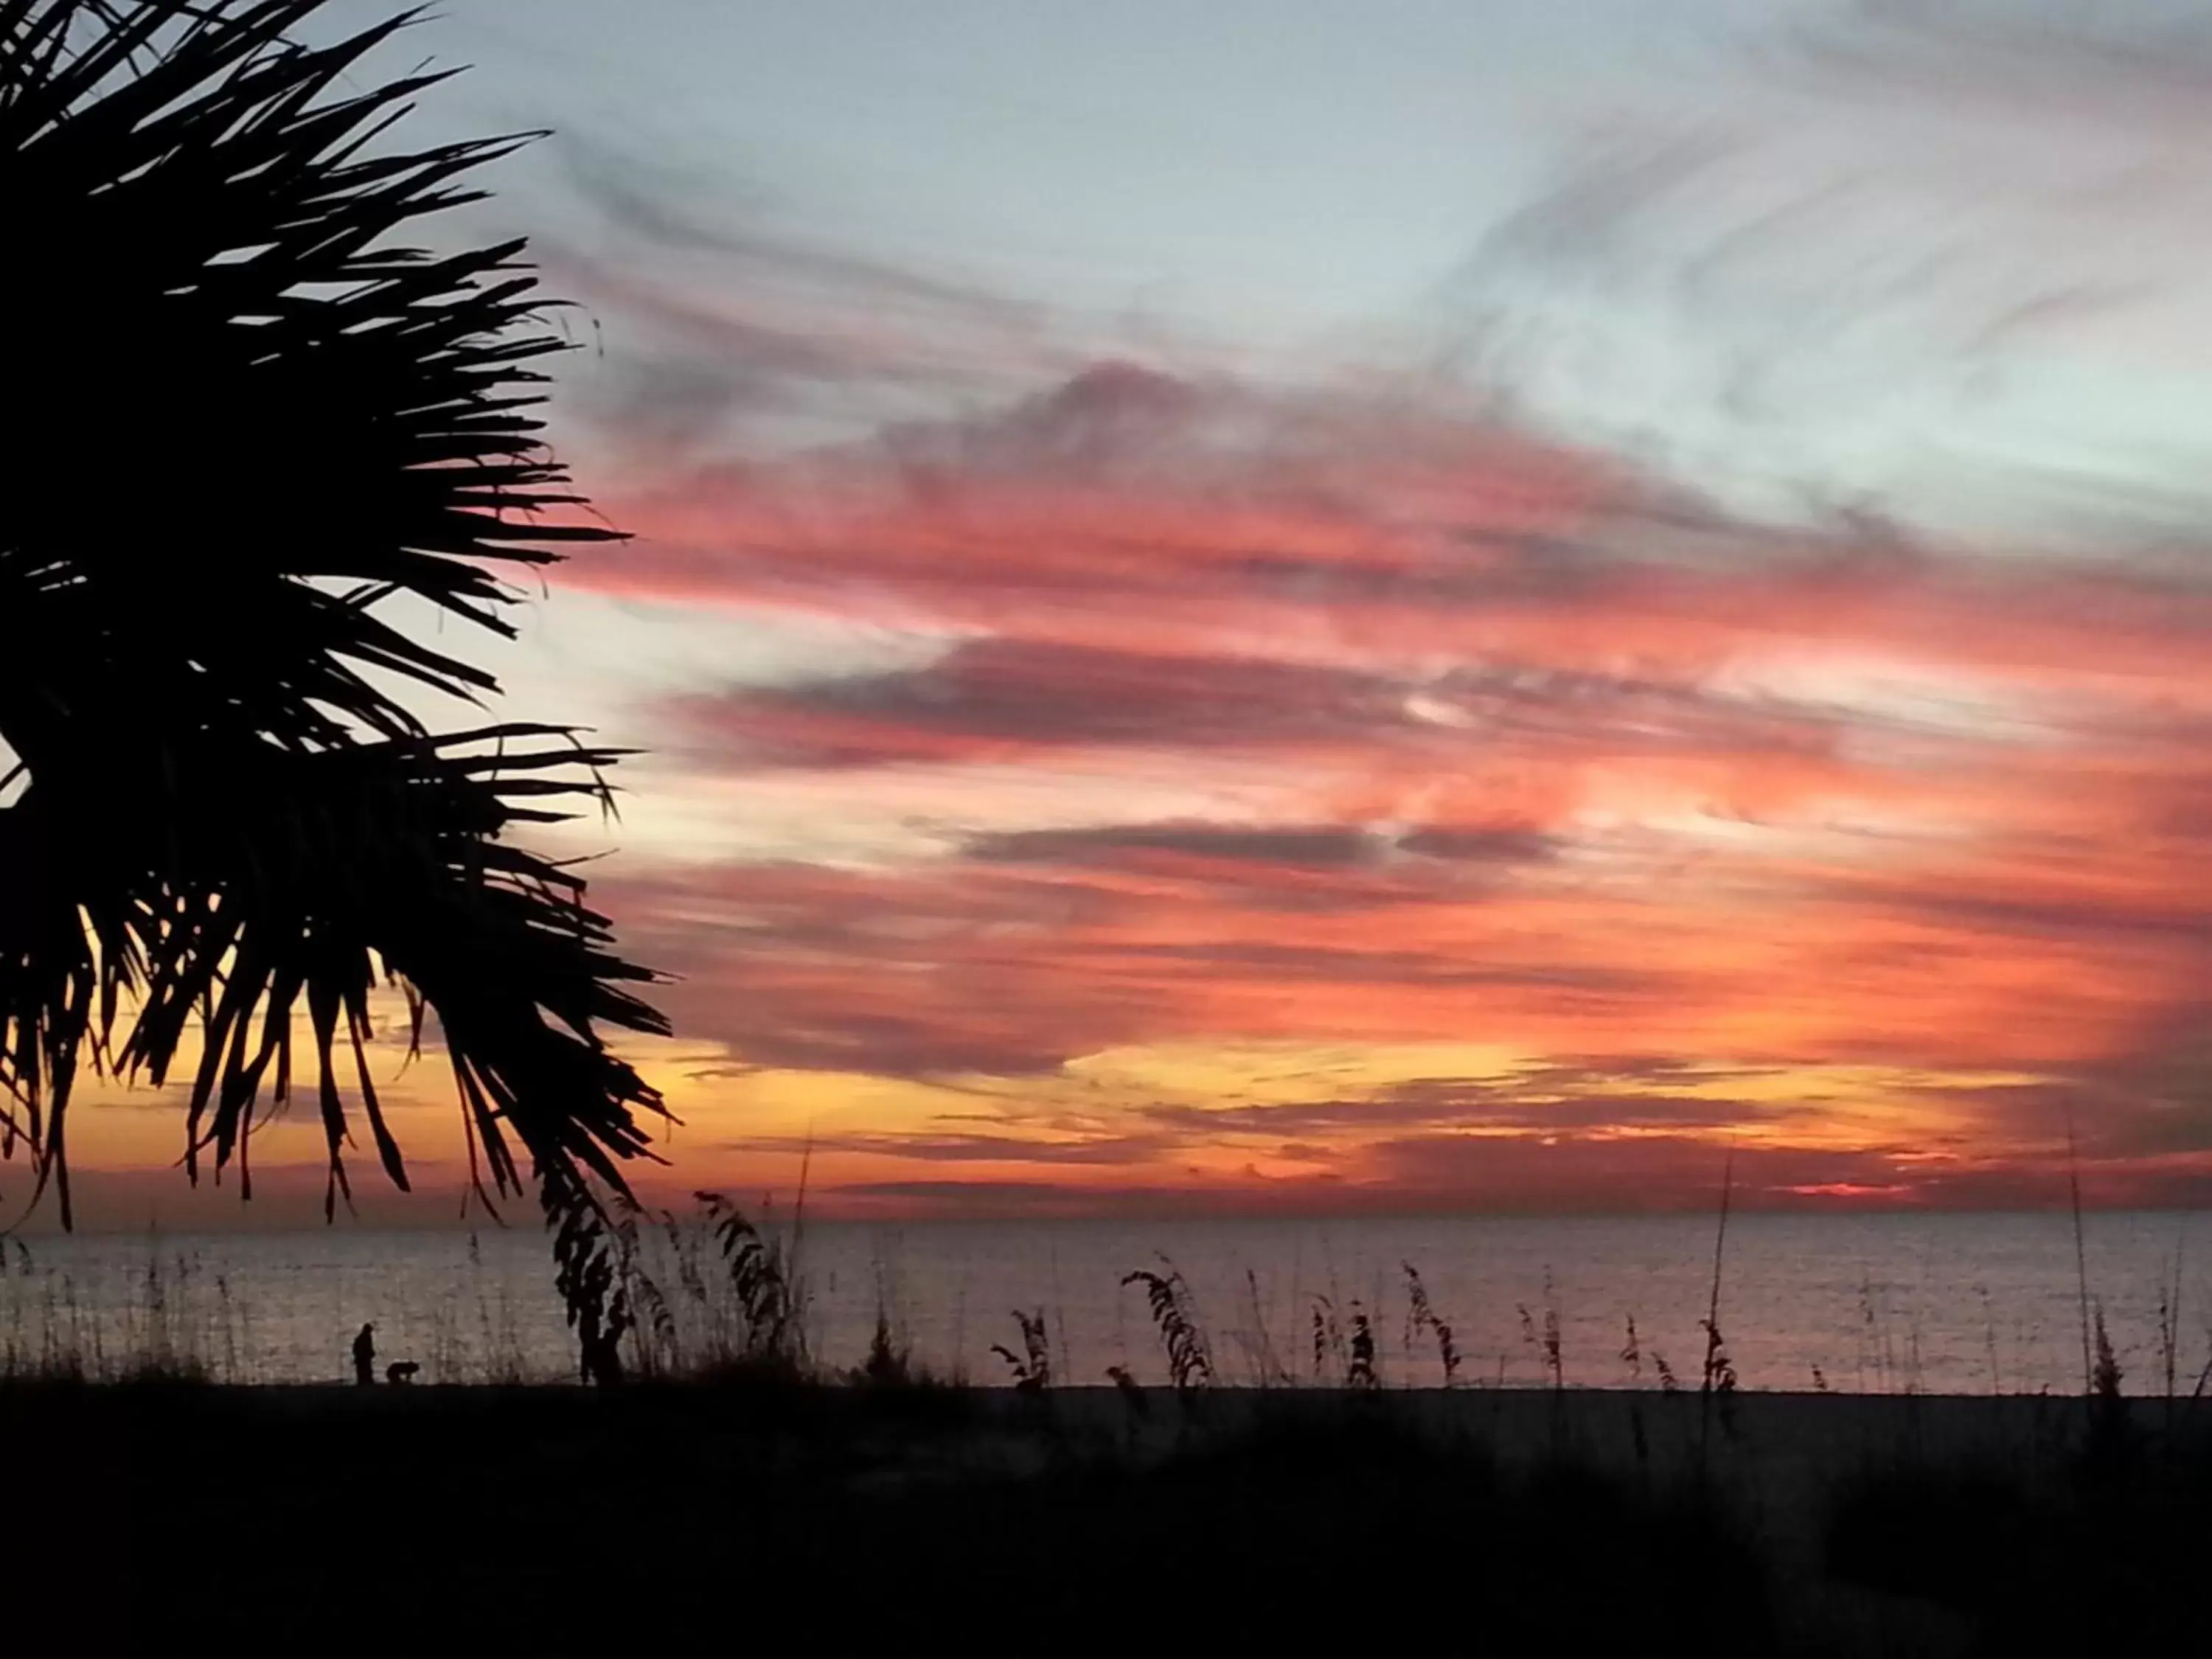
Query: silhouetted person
{"type": "Point", "coordinates": [602, 1346]}
{"type": "Point", "coordinates": [364, 1357]}
{"type": "Point", "coordinates": [400, 1372]}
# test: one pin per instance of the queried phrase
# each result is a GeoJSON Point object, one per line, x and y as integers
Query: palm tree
{"type": "Point", "coordinates": [249, 428]}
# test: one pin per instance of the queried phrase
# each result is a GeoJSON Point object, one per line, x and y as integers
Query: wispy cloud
{"type": "Point", "coordinates": [1740, 660]}
{"type": "Point", "coordinates": [1935, 258]}
{"type": "Point", "coordinates": [1303, 716]}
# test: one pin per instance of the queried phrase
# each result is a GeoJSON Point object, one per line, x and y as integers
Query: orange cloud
{"type": "Point", "coordinates": [1506, 745]}
{"type": "Point", "coordinates": [1346, 729]}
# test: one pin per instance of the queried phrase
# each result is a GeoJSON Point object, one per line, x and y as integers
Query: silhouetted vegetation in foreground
{"type": "Point", "coordinates": [2066, 1554]}
{"type": "Point", "coordinates": [555, 1520]}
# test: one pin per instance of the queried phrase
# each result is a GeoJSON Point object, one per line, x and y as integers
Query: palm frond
{"type": "Point", "coordinates": [252, 419]}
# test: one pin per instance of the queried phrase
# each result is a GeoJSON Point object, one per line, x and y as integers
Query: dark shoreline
{"type": "Point", "coordinates": [332, 1518]}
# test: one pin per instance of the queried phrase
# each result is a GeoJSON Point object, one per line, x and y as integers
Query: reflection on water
{"type": "Point", "coordinates": [1940, 1303]}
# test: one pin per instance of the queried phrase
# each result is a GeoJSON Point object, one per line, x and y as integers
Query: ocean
{"type": "Point", "coordinates": [1887, 1304]}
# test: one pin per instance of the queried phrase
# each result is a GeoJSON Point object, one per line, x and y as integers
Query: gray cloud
{"type": "Point", "coordinates": [722, 322]}
{"type": "Point", "coordinates": [928, 1148]}
{"type": "Point", "coordinates": [1322, 846]}
{"type": "Point", "coordinates": [972, 1198]}
{"type": "Point", "coordinates": [2081, 915]}
{"type": "Point", "coordinates": [656, 208]}
{"type": "Point", "coordinates": [1010, 691]}
{"type": "Point", "coordinates": [1901, 212]}
{"type": "Point", "coordinates": [1551, 1101]}
{"type": "Point", "coordinates": [2131, 59]}
{"type": "Point", "coordinates": [1001, 698]}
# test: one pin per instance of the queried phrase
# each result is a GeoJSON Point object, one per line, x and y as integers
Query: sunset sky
{"type": "Point", "coordinates": [1339, 607]}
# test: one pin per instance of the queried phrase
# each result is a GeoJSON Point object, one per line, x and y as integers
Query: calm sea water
{"type": "Point", "coordinates": [1937, 1304]}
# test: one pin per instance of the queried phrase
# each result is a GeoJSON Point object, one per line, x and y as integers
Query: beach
{"type": "Point", "coordinates": [385, 1519]}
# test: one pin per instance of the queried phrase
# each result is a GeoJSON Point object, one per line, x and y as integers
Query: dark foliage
{"type": "Point", "coordinates": [259, 436]}
{"type": "Point", "coordinates": [1167, 1296]}
{"type": "Point", "coordinates": [2101, 1552]}
{"type": "Point", "coordinates": [1306, 1532]}
{"type": "Point", "coordinates": [1032, 1369]}
{"type": "Point", "coordinates": [1421, 1315]}
{"type": "Point", "coordinates": [763, 1281]}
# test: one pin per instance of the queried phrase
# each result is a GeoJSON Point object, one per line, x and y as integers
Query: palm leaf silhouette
{"type": "Point", "coordinates": [258, 432]}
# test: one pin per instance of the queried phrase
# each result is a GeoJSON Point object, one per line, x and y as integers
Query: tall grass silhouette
{"type": "Point", "coordinates": [1031, 1369]}
{"type": "Point", "coordinates": [1421, 1315]}
{"type": "Point", "coordinates": [717, 1288]}
{"type": "Point", "coordinates": [1175, 1315]}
